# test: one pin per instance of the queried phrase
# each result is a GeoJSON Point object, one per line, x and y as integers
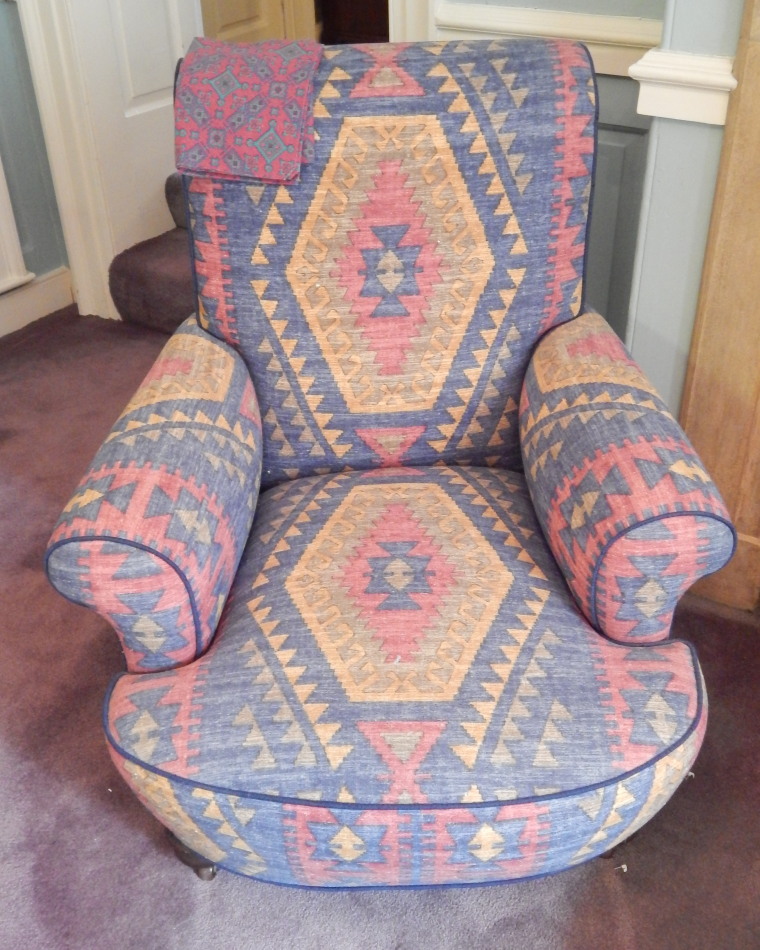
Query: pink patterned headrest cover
{"type": "Point", "coordinates": [245, 111]}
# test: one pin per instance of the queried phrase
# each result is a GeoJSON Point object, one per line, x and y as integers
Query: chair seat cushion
{"type": "Point", "coordinates": [403, 691]}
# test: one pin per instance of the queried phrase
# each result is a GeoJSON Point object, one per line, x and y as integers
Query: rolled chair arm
{"type": "Point", "coordinates": [630, 513]}
{"type": "Point", "coordinates": [153, 535]}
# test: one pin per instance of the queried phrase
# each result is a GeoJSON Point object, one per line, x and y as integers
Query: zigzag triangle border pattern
{"type": "Point", "coordinates": [349, 746]}
{"type": "Point", "coordinates": [462, 138]}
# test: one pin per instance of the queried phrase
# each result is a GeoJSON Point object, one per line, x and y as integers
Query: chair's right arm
{"type": "Point", "coordinates": [154, 533]}
{"type": "Point", "coordinates": [629, 512]}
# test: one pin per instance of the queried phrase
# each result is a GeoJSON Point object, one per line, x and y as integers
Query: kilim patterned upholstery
{"type": "Point", "coordinates": [165, 510]}
{"type": "Point", "coordinates": [393, 532]}
{"type": "Point", "coordinates": [388, 306]}
{"type": "Point", "coordinates": [630, 513]}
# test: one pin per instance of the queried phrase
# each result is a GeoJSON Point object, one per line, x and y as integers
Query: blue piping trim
{"type": "Point", "coordinates": [141, 547]}
{"type": "Point", "coordinates": [412, 806]}
{"type": "Point", "coordinates": [592, 193]}
{"type": "Point", "coordinates": [640, 524]}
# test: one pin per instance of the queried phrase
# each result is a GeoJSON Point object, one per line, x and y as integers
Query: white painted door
{"type": "Point", "coordinates": [104, 73]}
{"type": "Point", "coordinates": [128, 51]}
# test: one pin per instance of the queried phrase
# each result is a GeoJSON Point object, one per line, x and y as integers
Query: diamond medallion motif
{"type": "Point", "coordinates": [270, 145]}
{"type": "Point", "coordinates": [380, 273]}
{"type": "Point", "coordinates": [225, 83]}
{"type": "Point", "coordinates": [399, 589]}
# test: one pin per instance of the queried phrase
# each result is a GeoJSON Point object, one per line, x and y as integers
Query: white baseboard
{"type": "Point", "coordinates": [43, 295]}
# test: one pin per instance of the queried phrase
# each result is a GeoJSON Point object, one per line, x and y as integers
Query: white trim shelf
{"type": "Point", "coordinates": [615, 42]}
{"type": "Point", "coordinates": [684, 86]}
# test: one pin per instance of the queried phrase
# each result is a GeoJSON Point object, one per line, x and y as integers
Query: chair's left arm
{"type": "Point", "coordinates": [155, 530]}
{"type": "Point", "coordinates": [631, 515]}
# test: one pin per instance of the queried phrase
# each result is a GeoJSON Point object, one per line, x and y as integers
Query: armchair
{"type": "Point", "coordinates": [393, 532]}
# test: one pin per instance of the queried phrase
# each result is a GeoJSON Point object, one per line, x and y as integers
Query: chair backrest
{"type": "Point", "coordinates": [388, 300]}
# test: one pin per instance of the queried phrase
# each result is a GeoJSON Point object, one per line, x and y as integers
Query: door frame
{"type": "Point", "coordinates": [67, 126]}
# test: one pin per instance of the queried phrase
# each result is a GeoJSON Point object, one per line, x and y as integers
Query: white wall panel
{"type": "Point", "coordinates": [149, 37]}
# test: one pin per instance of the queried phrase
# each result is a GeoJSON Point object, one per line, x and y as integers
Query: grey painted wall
{"type": "Point", "coordinates": [619, 180]}
{"type": "Point", "coordinates": [703, 26]}
{"type": "Point", "coordinates": [22, 147]}
{"type": "Point", "coordinates": [682, 170]}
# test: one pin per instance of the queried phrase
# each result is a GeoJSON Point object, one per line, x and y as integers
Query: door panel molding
{"type": "Point", "coordinates": [145, 65]}
{"type": "Point", "coordinates": [70, 127]}
{"type": "Point", "coordinates": [13, 272]}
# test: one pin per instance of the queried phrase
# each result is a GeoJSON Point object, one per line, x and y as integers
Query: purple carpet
{"type": "Point", "coordinates": [84, 866]}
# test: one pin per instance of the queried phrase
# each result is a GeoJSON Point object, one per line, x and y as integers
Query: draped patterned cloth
{"type": "Point", "coordinates": [245, 111]}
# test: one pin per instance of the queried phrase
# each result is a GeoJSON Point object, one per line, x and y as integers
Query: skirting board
{"type": "Point", "coordinates": [43, 295]}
